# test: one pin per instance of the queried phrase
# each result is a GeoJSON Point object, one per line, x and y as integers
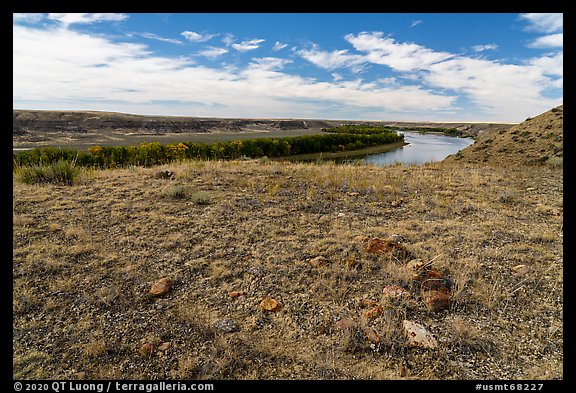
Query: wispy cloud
{"type": "Point", "coordinates": [212, 52]}
{"type": "Point", "coordinates": [331, 60]}
{"type": "Point", "coordinates": [27, 17]}
{"type": "Point", "coordinates": [416, 22]}
{"type": "Point", "coordinates": [278, 46]}
{"type": "Point", "coordinates": [152, 36]}
{"type": "Point", "coordinates": [192, 36]}
{"type": "Point", "coordinates": [67, 19]}
{"type": "Point", "coordinates": [247, 45]}
{"type": "Point", "coordinates": [481, 48]}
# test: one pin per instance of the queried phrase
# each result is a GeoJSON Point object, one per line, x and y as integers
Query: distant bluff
{"type": "Point", "coordinates": [30, 121]}
{"type": "Point", "coordinates": [535, 141]}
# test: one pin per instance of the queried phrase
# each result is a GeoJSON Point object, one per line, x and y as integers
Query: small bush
{"type": "Point", "coordinates": [200, 198]}
{"type": "Point", "coordinates": [175, 192]}
{"type": "Point", "coordinates": [60, 172]}
{"type": "Point", "coordinates": [555, 162]}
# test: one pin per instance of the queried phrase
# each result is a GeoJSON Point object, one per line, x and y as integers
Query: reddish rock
{"type": "Point", "coordinates": [433, 280]}
{"type": "Point", "coordinates": [344, 323]}
{"type": "Point", "coordinates": [374, 312]}
{"type": "Point", "coordinates": [372, 335]}
{"type": "Point", "coordinates": [235, 294]}
{"type": "Point", "coordinates": [146, 348]}
{"type": "Point", "coordinates": [436, 300]}
{"type": "Point", "coordinates": [389, 247]}
{"type": "Point", "coordinates": [365, 303]}
{"type": "Point", "coordinates": [161, 287]}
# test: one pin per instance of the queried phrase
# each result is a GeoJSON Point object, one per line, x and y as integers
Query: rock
{"type": "Point", "coordinates": [396, 292]}
{"type": "Point", "coordinates": [340, 215]}
{"type": "Point", "coordinates": [365, 303]}
{"type": "Point", "coordinates": [418, 336]}
{"type": "Point", "coordinates": [372, 335]}
{"type": "Point", "coordinates": [161, 287]}
{"type": "Point", "coordinates": [433, 279]}
{"type": "Point", "coordinates": [226, 325]}
{"type": "Point", "coordinates": [344, 323]}
{"type": "Point", "coordinates": [436, 300]}
{"type": "Point", "coordinates": [521, 269]}
{"type": "Point", "coordinates": [146, 348]}
{"type": "Point", "coordinates": [319, 261]}
{"type": "Point", "coordinates": [392, 248]}
{"type": "Point", "coordinates": [164, 346]}
{"type": "Point", "coordinates": [235, 294]}
{"type": "Point", "coordinates": [269, 304]}
{"type": "Point", "coordinates": [353, 193]}
{"type": "Point", "coordinates": [374, 312]}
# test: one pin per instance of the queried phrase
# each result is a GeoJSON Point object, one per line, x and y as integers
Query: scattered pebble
{"type": "Point", "coordinates": [226, 325]}
{"type": "Point", "coordinates": [269, 304]}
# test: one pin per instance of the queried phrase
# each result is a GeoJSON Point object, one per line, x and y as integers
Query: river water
{"type": "Point", "coordinates": [421, 148]}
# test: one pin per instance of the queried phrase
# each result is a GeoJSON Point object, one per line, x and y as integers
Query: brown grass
{"type": "Point", "coordinates": [85, 256]}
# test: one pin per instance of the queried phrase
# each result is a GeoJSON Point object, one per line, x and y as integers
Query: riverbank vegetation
{"type": "Point", "coordinates": [154, 153]}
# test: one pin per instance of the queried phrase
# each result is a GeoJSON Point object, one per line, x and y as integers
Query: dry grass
{"type": "Point", "coordinates": [85, 256]}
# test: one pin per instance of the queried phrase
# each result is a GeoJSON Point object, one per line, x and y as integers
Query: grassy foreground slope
{"type": "Point", "coordinates": [230, 234]}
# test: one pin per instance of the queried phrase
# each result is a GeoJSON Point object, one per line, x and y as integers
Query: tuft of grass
{"type": "Point", "coordinates": [555, 162]}
{"type": "Point", "coordinates": [60, 172]}
{"type": "Point", "coordinates": [176, 191]}
{"type": "Point", "coordinates": [200, 198]}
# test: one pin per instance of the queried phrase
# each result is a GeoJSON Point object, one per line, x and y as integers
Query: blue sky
{"type": "Point", "coordinates": [431, 66]}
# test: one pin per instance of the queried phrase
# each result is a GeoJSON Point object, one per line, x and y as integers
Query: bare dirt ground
{"type": "Point", "coordinates": [230, 234]}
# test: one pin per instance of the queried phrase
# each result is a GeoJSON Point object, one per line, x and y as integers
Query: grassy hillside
{"type": "Point", "coordinates": [535, 141]}
{"type": "Point", "coordinates": [234, 237]}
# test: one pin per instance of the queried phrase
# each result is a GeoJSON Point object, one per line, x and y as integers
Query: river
{"type": "Point", "coordinates": [421, 148]}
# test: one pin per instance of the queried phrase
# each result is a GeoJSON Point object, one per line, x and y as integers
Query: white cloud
{"type": "Point", "coordinates": [549, 65]}
{"type": "Point", "coordinates": [192, 36]}
{"type": "Point", "coordinates": [480, 48]}
{"type": "Point", "coordinates": [278, 46]}
{"type": "Point", "coordinates": [247, 45]}
{"type": "Point", "coordinates": [156, 37]}
{"type": "Point", "coordinates": [501, 90]}
{"type": "Point", "coordinates": [399, 56]}
{"type": "Point", "coordinates": [330, 60]}
{"type": "Point", "coordinates": [67, 19]}
{"type": "Point", "coordinates": [548, 41]}
{"type": "Point", "coordinates": [212, 52]}
{"type": "Point", "coordinates": [545, 23]}
{"type": "Point", "coordinates": [93, 72]}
